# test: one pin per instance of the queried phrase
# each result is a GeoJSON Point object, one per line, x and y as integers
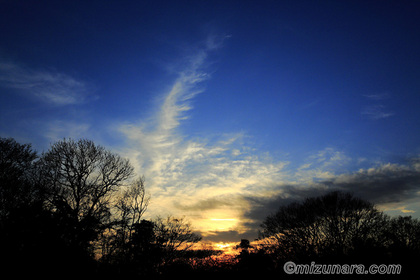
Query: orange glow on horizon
{"type": "Point", "coordinates": [228, 248]}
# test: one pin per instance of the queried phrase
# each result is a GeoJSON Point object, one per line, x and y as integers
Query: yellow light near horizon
{"type": "Point", "coordinates": [218, 224]}
{"type": "Point", "coordinates": [227, 247]}
{"type": "Point", "coordinates": [222, 245]}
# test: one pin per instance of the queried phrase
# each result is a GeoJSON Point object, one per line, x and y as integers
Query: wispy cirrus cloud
{"type": "Point", "coordinates": [378, 96]}
{"type": "Point", "coordinates": [321, 165]}
{"type": "Point", "coordinates": [224, 186]}
{"type": "Point", "coordinates": [377, 110]}
{"type": "Point", "coordinates": [49, 86]}
{"type": "Point", "coordinates": [199, 178]}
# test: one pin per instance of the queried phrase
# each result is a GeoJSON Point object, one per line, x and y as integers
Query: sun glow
{"type": "Point", "coordinates": [227, 247]}
{"type": "Point", "coordinates": [223, 223]}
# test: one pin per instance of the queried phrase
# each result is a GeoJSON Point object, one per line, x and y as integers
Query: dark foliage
{"type": "Point", "coordinates": [338, 228]}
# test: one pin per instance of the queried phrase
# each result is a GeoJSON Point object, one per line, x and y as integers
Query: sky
{"type": "Point", "coordinates": [229, 109]}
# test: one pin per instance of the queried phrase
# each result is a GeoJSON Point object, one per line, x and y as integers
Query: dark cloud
{"type": "Point", "coordinates": [381, 185]}
{"type": "Point", "coordinates": [215, 202]}
{"type": "Point", "coordinates": [388, 183]}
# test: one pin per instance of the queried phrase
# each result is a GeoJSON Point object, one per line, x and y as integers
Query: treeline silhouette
{"type": "Point", "coordinates": [77, 210]}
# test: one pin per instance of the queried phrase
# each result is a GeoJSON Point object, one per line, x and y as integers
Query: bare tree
{"type": "Point", "coordinates": [130, 206]}
{"type": "Point", "coordinates": [81, 178]}
{"type": "Point", "coordinates": [150, 245]}
{"type": "Point", "coordinates": [405, 235]}
{"type": "Point", "coordinates": [175, 236]}
{"type": "Point", "coordinates": [328, 226]}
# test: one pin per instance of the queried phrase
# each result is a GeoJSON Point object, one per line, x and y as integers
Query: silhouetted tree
{"type": "Point", "coordinates": [175, 236]}
{"type": "Point", "coordinates": [145, 254]}
{"type": "Point", "coordinates": [328, 227]}
{"type": "Point", "coordinates": [16, 176]}
{"type": "Point", "coordinates": [244, 245]}
{"type": "Point", "coordinates": [130, 206]}
{"type": "Point", "coordinates": [151, 247]}
{"type": "Point", "coordinates": [81, 178]}
{"type": "Point", "coordinates": [31, 237]}
{"type": "Point", "coordinates": [404, 241]}
{"type": "Point", "coordinates": [18, 204]}
{"type": "Point", "coordinates": [253, 261]}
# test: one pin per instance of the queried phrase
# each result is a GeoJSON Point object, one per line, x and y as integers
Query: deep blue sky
{"type": "Point", "coordinates": [222, 104]}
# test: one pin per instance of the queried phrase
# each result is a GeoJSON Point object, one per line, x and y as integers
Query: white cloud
{"type": "Point", "coordinates": [49, 86]}
{"type": "Point", "coordinates": [378, 97]}
{"type": "Point", "coordinates": [377, 112]}
{"type": "Point", "coordinates": [185, 175]}
{"type": "Point", "coordinates": [220, 179]}
{"type": "Point", "coordinates": [321, 165]}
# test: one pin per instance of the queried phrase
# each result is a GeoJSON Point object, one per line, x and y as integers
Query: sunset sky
{"type": "Point", "coordinates": [228, 108]}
